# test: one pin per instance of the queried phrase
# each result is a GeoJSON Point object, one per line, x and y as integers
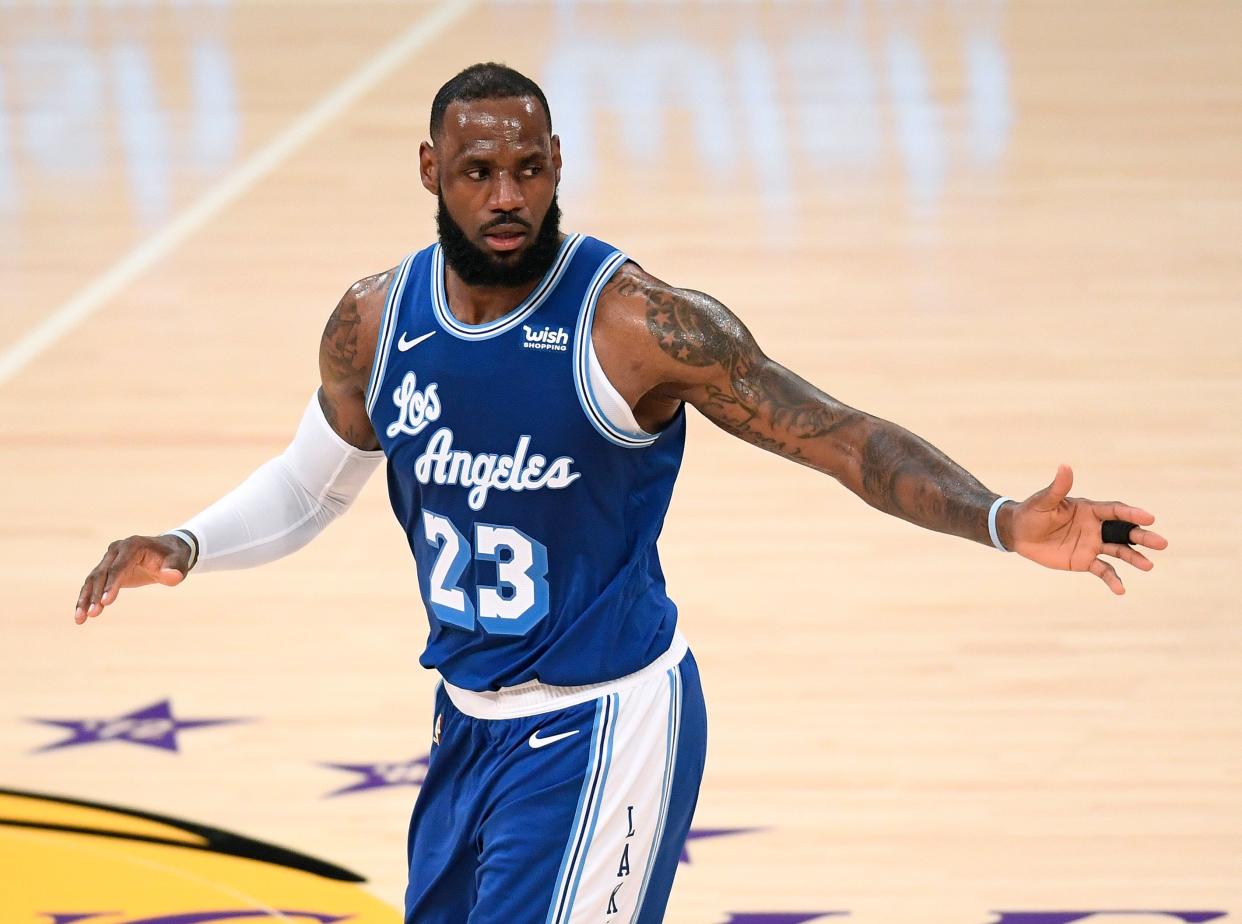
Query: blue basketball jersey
{"type": "Point", "coordinates": [532, 515]}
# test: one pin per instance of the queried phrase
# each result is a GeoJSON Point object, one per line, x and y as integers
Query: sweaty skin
{"type": "Point", "coordinates": [497, 166]}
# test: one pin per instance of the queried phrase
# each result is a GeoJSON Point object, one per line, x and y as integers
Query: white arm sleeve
{"type": "Point", "coordinates": [287, 502]}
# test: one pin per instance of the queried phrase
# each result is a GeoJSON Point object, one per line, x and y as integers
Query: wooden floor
{"type": "Point", "coordinates": [1013, 228]}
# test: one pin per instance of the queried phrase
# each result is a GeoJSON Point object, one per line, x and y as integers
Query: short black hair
{"type": "Point", "coordinates": [485, 81]}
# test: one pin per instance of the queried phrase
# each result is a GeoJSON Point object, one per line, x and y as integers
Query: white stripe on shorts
{"type": "Point", "coordinates": [611, 849]}
{"type": "Point", "coordinates": [670, 769]}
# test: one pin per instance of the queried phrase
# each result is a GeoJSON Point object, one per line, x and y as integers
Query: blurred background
{"type": "Point", "coordinates": [1012, 227]}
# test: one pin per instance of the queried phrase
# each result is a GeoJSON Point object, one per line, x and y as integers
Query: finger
{"type": "Point", "coordinates": [1106, 573]}
{"type": "Point", "coordinates": [1115, 510]}
{"type": "Point", "coordinates": [1051, 496]}
{"type": "Point", "coordinates": [84, 598]}
{"type": "Point", "coordinates": [117, 572]}
{"type": "Point", "coordinates": [88, 586]}
{"type": "Point", "coordinates": [1145, 537]}
{"type": "Point", "coordinates": [93, 606]}
{"type": "Point", "coordinates": [1128, 555]}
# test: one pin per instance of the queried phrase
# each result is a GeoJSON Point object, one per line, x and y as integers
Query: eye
{"type": "Point", "coordinates": [477, 173]}
{"type": "Point", "coordinates": [532, 170]}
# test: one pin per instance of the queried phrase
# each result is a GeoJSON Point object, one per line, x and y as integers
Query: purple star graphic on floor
{"type": "Point", "coordinates": [704, 833]}
{"type": "Point", "coordinates": [152, 726]}
{"type": "Point", "coordinates": [378, 776]}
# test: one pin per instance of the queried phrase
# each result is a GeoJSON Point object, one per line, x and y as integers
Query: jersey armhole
{"type": "Point", "coordinates": [387, 325]}
{"type": "Point", "coordinates": [603, 405]}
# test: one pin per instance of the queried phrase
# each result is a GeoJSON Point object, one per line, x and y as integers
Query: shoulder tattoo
{"type": "Point", "coordinates": [344, 352]}
{"type": "Point", "coordinates": [691, 327]}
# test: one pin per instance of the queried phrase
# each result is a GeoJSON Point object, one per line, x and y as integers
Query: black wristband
{"type": "Point", "coordinates": [189, 539]}
{"type": "Point", "coordinates": [1117, 531]}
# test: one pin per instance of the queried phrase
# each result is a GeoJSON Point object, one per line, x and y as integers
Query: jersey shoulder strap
{"type": "Point", "coordinates": [388, 322]}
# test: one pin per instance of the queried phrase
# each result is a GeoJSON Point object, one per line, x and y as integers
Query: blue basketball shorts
{"type": "Point", "coordinates": [559, 805]}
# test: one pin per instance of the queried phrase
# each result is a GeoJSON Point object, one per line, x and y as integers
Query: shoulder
{"type": "Point", "coordinates": [688, 326]}
{"type": "Point", "coordinates": [347, 348]}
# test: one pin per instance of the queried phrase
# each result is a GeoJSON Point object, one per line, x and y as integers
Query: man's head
{"type": "Point", "coordinates": [494, 164]}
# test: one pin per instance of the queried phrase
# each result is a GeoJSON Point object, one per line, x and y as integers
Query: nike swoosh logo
{"type": "Point", "coordinates": [404, 344]}
{"type": "Point", "coordinates": [536, 742]}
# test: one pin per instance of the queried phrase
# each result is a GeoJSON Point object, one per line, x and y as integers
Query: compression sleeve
{"type": "Point", "coordinates": [287, 502]}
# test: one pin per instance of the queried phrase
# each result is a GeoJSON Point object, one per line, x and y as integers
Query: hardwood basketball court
{"type": "Point", "coordinates": [1011, 227]}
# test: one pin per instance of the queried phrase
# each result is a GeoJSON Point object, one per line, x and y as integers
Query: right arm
{"type": "Point", "coordinates": [288, 500]}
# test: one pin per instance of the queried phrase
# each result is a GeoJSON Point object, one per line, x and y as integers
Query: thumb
{"type": "Point", "coordinates": [169, 577]}
{"type": "Point", "coordinates": [1051, 496]}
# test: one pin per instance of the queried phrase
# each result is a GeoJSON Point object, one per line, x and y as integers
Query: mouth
{"type": "Point", "coordinates": [506, 238]}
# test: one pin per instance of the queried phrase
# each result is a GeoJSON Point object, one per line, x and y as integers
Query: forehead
{"type": "Point", "coordinates": [492, 126]}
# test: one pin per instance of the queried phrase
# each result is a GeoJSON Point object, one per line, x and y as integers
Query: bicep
{"type": "Point", "coordinates": [346, 352]}
{"type": "Point", "coordinates": [712, 362]}
{"type": "Point", "coordinates": [346, 413]}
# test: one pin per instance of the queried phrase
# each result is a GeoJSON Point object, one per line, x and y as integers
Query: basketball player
{"type": "Point", "coordinates": [527, 387]}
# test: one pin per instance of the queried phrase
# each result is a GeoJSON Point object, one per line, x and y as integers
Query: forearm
{"type": "Point", "coordinates": [285, 503]}
{"type": "Point", "coordinates": [889, 467]}
{"type": "Point", "coordinates": [900, 473]}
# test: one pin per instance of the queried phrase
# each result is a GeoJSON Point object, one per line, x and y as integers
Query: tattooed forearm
{"type": "Point", "coordinates": [902, 474]}
{"type": "Point", "coordinates": [745, 393]}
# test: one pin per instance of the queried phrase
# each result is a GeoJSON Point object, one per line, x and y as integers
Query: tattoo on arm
{"type": "Point", "coordinates": [345, 356]}
{"type": "Point", "coordinates": [339, 347]}
{"type": "Point", "coordinates": [760, 401]}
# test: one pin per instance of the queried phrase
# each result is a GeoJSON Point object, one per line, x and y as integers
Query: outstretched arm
{"type": "Point", "coordinates": [288, 500]}
{"type": "Point", "coordinates": [706, 357]}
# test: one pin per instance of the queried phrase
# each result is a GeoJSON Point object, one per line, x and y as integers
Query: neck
{"type": "Point", "coordinates": [481, 304]}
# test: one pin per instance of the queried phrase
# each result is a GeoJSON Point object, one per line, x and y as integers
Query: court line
{"type": "Point", "coordinates": [98, 291]}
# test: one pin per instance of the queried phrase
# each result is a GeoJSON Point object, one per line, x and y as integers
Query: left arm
{"type": "Point", "coordinates": [697, 351]}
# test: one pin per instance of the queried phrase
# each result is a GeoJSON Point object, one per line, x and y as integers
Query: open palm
{"type": "Point", "coordinates": [1063, 532]}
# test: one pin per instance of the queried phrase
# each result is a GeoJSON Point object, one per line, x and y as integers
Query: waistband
{"type": "Point", "coordinates": [534, 698]}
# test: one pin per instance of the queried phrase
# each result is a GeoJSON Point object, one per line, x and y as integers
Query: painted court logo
{"type": "Point", "coordinates": [136, 867]}
{"type": "Point", "coordinates": [153, 726]}
{"type": "Point", "coordinates": [549, 338]}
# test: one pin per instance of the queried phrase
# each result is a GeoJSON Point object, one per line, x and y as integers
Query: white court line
{"type": "Point", "coordinates": [89, 300]}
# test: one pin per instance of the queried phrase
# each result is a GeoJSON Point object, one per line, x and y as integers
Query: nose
{"type": "Point", "coordinates": [507, 193]}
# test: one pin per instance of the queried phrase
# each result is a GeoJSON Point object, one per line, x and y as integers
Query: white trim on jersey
{"type": "Point", "coordinates": [535, 698]}
{"type": "Point", "coordinates": [388, 323]}
{"type": "Point", "coordinates": [608, 400]}
{"type": "Point", "coordinates": [598, 397]}
{"type": "Point", "coordinates": [510, 320]}
{"type": "Point", "coordinates": [624, 804]}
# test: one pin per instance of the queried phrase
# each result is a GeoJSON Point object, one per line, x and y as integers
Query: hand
{"type": "Point", "coordinates": [1064, 532]}
{"type": "Point", "coordinates": [132, 562]}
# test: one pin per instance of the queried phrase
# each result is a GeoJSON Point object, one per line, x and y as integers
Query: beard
{"type": "Point", "coordinates": [476, 267]}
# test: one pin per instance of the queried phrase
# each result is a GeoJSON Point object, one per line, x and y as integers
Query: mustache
{"type": "Point", "coordinates": [476, 267]}
{"type": "Point", "coordinates": [506, 218]}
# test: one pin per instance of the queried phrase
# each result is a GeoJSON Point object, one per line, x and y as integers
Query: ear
{"type": "Point", "coordinates": [556, 157]}
{"type": "Point", "coordinates": [428, 169]}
